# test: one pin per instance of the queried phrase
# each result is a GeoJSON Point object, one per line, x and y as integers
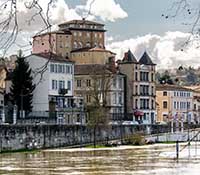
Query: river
{"type": "Point", "coordinates": [151, 159]}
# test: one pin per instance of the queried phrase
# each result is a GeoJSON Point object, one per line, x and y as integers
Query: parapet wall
{"type": "Point", "coordinates": [16, 137]}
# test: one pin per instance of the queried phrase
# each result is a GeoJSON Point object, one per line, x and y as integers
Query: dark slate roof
{"type": "Point", "coordinates": [145, 59]}
{"type": "Point", "coordinates": [129, 58]}
{"type": "Point", "coordinates": [53, 57]}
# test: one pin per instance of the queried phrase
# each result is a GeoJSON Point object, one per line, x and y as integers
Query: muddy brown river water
{"type": "Point", "coordinates": [153, 159]}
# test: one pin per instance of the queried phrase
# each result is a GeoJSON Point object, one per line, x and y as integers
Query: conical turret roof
{"type": "Point", "coordinates": [145, 59]}
{"type": "Point", "coordinates": [129, 57]}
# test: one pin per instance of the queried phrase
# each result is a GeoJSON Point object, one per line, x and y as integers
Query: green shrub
{"type": "Point", "coordinates": [135, 139]}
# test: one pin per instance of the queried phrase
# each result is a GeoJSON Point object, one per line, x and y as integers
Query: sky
{"type": "Point", "coordinates": [137, 25]}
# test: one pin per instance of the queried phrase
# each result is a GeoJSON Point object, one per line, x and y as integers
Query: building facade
{"type": "Point", "coordinates": [98, 80]}
{"type": "Point", "coordinates": [174, 102]}
{"type": "Point", "coordinates": [54, 89]}
{"type": "Point", "coordinates": [140, 87]}
{"type": "Point", "coordinates": [72, 35]}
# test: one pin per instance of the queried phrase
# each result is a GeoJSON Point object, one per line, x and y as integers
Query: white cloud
{"type": "Point", "coordinates": [58, 13]}
{"type": "Point", "coordinates": [107, 10]}
{"type": "Point", "coordinates": [166, 51]}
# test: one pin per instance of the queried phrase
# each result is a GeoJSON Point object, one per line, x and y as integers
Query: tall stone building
{"type": "Point", "coordinates": [140, 87]}
{"type": "Point", "coordinates": [81, 40]}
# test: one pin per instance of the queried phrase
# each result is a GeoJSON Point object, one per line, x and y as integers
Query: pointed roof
{"type": "Point", "coordinates": [146, 60]}
{"type": "Point", "coordinates": [129, 57]}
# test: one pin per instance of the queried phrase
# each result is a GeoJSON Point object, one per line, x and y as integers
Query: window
{"type": "Point", "coordinates": [61, 84]}
{"type": "Point", "coordinates": [88, 83]}
{"type": "Point", "coordinates": [80, 33]}
{"type": "Point", "coordinates": [54, 85]}
{"type": "Point", "coordinates": [75, 45]}
{"type": "Point", "coordinates": [136, 103]}
{"type": "Point", "coordinates": [51, 68]}
{"type": "Point", "coordinates": [78, 83]}
{"type": "Point", "coordinates": [114, 82]}
{"type": "Point", "coordinates": [59, 68]}
{"type": "Point", "coordinates": [136, 76]}
{"type": "Point", "coordinates": [144, 76]}
{"type": "Point", "coordinates": [136, 90]}
{"type": "Point", "coordinates": [95, 35]}
{"type": "Point", "coordinates": [144, 103]}
{"type": "Point", "coordinates": [165, 93]}
{"type": "Point", "coordinates": [114, 98]}
{"type": "Point", "coordinates": [165, 104]}
{"type": "Point", "coordinates": [152, 77]}
{"type": "Point", "coordinates": [56, 68]}
{"type": "Point", "coordinates": [69, 85]}
{"type": "Point", "coordinates": [152, 104]}
{"type": "Point", "coordinates": [88, 98]}
{"type": "Point", "coordinates": [120, 83]}
{"type": "Point", "coordinates": [67, 69]}
{"type": "Point", "coordinates": [120, 98]}
{"type": "Point", "coordinates": [174, 104]}
{"type": "Point", "coordinates": [152, 90]}
{"type": "Point", "coordinates": [144, 90]}
{"type": "Point", "coordinates": [88, 34]}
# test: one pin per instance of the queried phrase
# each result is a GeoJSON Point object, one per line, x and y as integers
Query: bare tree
{"type": "Point", "coordinates": [190, 13]}
{"type": "Point", "coordinates": [10, 27]}
{"type": "Point", "coordinates": [101, 81]}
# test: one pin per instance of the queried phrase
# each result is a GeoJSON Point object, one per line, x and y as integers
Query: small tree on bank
{"type": "Point", "coordinates": [22, 85]}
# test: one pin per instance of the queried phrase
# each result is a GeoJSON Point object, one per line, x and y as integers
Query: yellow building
{"type": "Point", "coordinates": [174, 102]}
{"type": "Point", "coordinates": [92, 56]}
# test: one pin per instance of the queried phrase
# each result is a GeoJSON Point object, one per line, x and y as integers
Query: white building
{"type": "Point", "coordinates": [54, 87]}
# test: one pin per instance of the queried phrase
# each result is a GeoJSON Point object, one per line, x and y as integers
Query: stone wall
{"type": "Point", "coordinates": [16, 137]}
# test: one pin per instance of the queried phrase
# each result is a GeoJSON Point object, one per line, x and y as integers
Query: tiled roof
{"type": "Point", "coordinates": [129, 58]}
{"type": "Point", "coordinates": [91, 69]}
{"type": "Point", "coordinates": [145, 59]}
{"type": "Point", "coordinates": [167, 87]}
{"type": "Point", "coordinates": [53, 57]}
{"type": "Point", "coordinates": [81, 22]}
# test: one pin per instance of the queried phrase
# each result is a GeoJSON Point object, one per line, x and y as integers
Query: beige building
{"type": "Point", "coordinates": [100, 81]}
{"type": "Point", "coordinates": [174, 102]}
{"type": "Point", "coordinates": [92, 56]}
{"type": "Point", "coordinates": [140, 87]}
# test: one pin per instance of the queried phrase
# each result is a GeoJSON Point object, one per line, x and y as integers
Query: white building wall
{"type": "Point", "coordinates": [40, 94]}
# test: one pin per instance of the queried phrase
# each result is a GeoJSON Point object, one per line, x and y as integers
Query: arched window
{"type": "Point", "coordinates": [75, 45]}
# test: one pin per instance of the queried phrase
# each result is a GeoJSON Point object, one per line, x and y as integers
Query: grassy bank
{"type": "Point", "coordinates": [20, 151]}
